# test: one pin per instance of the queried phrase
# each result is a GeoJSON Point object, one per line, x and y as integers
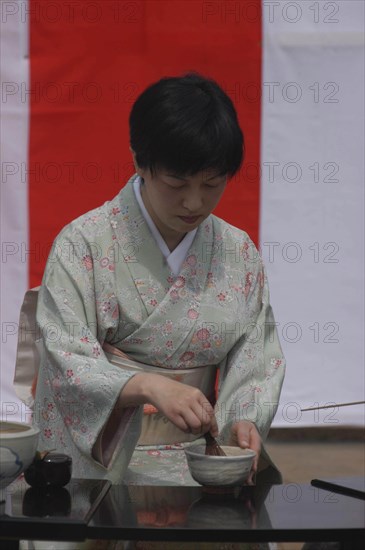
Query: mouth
{"type": "Point", "coordinates": [189, 219]}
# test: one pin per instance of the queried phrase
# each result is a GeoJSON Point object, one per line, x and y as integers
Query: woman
{"type": "Point", "coordinates": [152, 278]}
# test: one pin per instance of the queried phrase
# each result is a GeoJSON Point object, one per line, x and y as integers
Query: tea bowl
{"type": "Point", "coordinates": [18, 446]}
{"type": "Point", "coordinates": [219, 471]}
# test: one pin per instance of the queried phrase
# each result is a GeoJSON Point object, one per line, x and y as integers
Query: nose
{"type": "Point", "coordinates": [193, 202]}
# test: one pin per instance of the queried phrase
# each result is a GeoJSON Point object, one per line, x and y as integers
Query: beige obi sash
{"type": "Point", "coordinates": [156, 428]}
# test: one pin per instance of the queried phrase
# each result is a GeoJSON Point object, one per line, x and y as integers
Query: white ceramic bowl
{"type": "Point", "coordinates": [222, 471]}
{"type": "Point", "coordinates": [18, 446]}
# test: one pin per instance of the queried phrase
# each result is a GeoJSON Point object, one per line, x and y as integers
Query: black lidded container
{"type": "Point", "coordinates": [53, 470]}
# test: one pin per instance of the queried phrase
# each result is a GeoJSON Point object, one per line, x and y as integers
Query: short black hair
{"type": "Point", "coordinates": [186, 124]}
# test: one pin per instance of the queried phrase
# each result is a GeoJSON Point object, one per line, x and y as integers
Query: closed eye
{"type": "Point", "coordinates": [175, 184]}
{"type": "Point", "coordinates": [180, 182]}
{"type": "Point", "coordinates": [216, 184]}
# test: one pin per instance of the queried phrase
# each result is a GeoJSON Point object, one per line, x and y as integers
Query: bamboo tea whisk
{"type": "Point", "coordinates": [212, 448]}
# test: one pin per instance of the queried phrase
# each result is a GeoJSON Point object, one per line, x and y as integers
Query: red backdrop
{"type": "Point", "coordinates": [89, 62]}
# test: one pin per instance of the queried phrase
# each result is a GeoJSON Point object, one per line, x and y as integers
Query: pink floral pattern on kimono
{"type": "Point", "coordinates": [109, 282]}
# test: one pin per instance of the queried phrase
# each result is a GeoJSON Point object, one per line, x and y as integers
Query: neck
{"type": "Point", "coordinates": [171, 238]}
{"type": "Point", "coordinates": [173, 241]}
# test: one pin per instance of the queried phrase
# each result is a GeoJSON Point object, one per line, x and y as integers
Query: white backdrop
{"type": "Point", "coordinates": [14, 73]}
{"type": "Point", "coordinates": [311, 201]}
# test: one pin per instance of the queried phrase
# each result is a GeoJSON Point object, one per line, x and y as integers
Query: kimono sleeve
{"type": "Point", "coordinates": [252, 374]}
{"type": "Point", "coordinates": [75, 376]}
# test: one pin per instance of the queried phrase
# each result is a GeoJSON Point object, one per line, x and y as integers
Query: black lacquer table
{"type": "Point", "coordinates": [59, 514]}
{"type": "Point", "coordinates": [95, 509]}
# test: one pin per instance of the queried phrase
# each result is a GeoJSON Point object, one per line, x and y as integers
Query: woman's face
{"type": "Point", "coordinates": [179, 204]}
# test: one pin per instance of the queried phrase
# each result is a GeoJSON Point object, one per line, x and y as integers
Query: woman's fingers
{"type": "Point", "coordinates": [200, 418]}
{"type": "Point", "coordinates": [245, 434]}
{"type": "Point", "coordinates": [185, 406]}
{"type": "Point", "coordinates": [193, 422]}
{"type": "Point", "coordinates": [248, 436]}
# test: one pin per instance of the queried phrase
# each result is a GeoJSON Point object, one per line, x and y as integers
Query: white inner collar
{"type": "Point", "coordinates": [175, 258]}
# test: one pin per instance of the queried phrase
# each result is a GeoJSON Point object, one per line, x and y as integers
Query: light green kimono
{"type": "Point", "coordinates": [106, 280]}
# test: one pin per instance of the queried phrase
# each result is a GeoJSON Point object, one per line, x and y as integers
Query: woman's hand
{"type": "Point", "coordinates": [183, 405]}
{"type": "Point", "coordinates": [244, 434]}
